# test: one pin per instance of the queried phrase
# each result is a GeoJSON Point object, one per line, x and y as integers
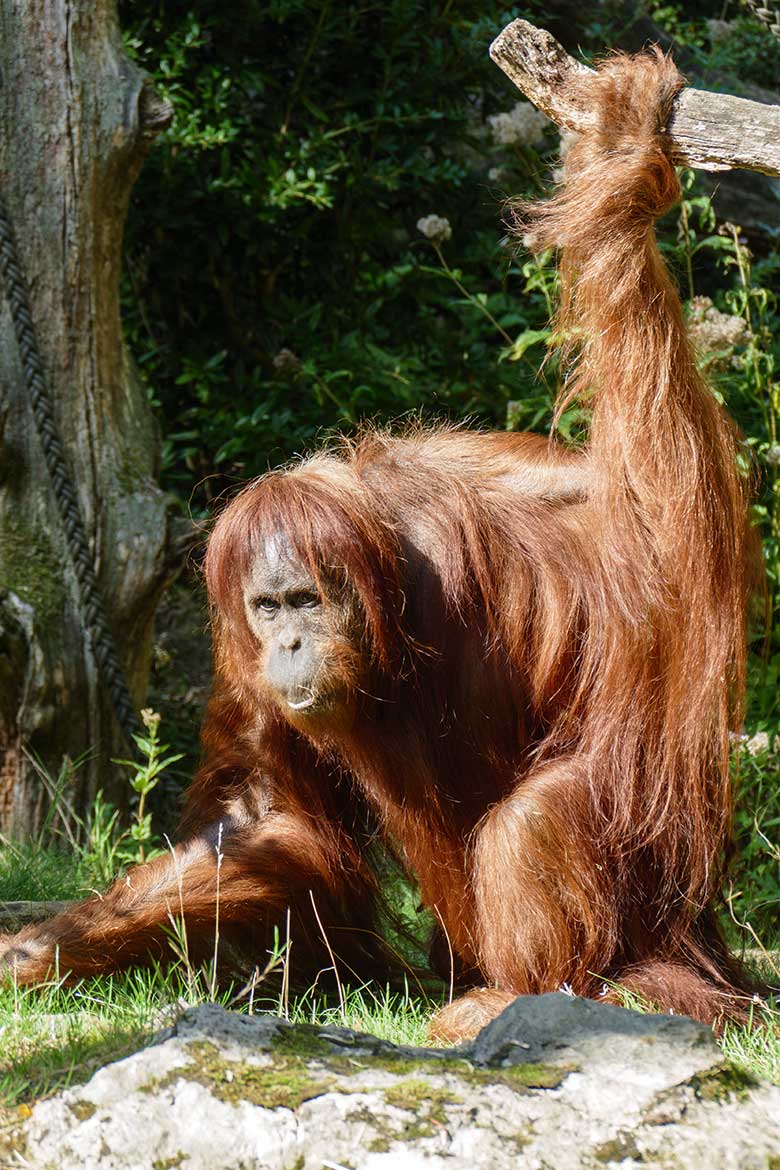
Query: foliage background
{"type": "Point", "coordinates": [277, 286]}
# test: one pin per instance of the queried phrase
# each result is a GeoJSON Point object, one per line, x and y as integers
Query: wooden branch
{"type": "Point", "coordinates": [709, 131]}
{"type": "Point", "coordinates": [31, 911]}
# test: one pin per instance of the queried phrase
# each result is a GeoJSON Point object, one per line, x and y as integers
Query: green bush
{"type": "Point", "coordinates": [277, 283]}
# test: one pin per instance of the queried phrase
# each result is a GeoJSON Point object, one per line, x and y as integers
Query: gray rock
{"type": "Point", "coordinates": [538, 1027]}
{"type": "Point", "coordinates": [555, 1083]}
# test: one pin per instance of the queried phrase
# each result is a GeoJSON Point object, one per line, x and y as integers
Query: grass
{"type": "Point", "coordinates": [33, 873]}
{"type": "Point", "coordinates": [756, 1050]}
{"type": "Point", "coordinates": [53, 1037]}
{"type": "Point", "coordinates": [56, 1036]}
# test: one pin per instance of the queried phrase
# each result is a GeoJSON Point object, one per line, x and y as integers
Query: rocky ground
{"type": "Point", "coordinates": [555, 1083]}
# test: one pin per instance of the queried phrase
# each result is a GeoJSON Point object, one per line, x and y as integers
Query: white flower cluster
{"type": "Point", "coordinates": [758, 744]}
{"type": "Point", "coordinates": [523, 125]}
{"type": "Point", "coordinates": [711, 330]}
{"type": "Point", "coordinates": [435, 228]}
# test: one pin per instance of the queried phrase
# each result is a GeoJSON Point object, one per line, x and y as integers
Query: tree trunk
{"type": "Point", "coordinates": [76, 117]}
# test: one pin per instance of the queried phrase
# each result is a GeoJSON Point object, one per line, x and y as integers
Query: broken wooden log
{"type": "Point", "coordinates": [708, 131]}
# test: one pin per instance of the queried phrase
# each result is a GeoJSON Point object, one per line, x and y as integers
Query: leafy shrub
{"type": "Point", "coordinates": [277, 283]}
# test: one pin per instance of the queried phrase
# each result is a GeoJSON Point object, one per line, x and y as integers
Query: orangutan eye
{"type": "Point", "coordinates": [265, 604]}
{"type": "Point", "coordinates": [305, 599]}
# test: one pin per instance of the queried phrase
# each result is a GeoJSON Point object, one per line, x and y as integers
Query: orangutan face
{"type": "Point", "coordinates": [306, 631]}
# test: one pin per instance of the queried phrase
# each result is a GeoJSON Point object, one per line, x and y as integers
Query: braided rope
{"type": "Point", "coordinates": [769, 17]}
{"type": "Point", "coordinates": [101, 638]}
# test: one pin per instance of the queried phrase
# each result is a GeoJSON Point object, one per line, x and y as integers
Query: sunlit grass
{"type": "Point", "coordinates": [52, 1037]}
{"type": "Point", "coordinates": [757, 1050]}
{"type": "Point", "coordinates": [56, 1036]}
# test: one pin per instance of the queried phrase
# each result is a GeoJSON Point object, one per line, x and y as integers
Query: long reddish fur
{"type": "Point", "coordinates": [555, 647]}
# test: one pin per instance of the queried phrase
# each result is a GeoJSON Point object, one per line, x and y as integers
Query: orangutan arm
{"type": "Point", "coordinates": [252, 872]}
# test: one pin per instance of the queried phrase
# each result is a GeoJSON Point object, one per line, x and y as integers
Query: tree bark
{"type": "Point", "coordinates": [709, 131]}
{"type": "Point", "coordinates": [76, 118]}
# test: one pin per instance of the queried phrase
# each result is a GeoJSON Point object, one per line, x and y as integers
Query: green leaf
{"type": "Point", "coordinates": [524, 342]}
